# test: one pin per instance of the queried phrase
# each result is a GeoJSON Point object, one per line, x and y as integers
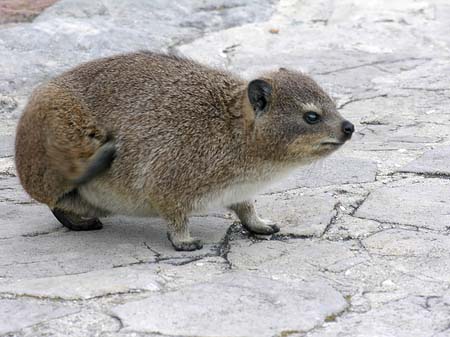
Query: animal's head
{"type": "Point", "coordinates": [295, 118]}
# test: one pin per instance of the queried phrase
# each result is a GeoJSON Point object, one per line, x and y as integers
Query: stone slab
{"type": "Point", "coordinates": [334, 170]}
{"type": "Point", "coordinates": [298, 213]}
{"type": "Point", "coordinates": [6, 146]}
{"type": "Point", "coordinates": [425, 255]}
{"type": "Point", "coordinates": [11, 190]}
{"type": "Point", "coordinates": [7, 167]}
{"type": "Point", "coordinates": [18, 314]}
{"type": "Point", "coordinates": [7, 105]}
{"type": "Point", "coordinates": [122, 241]}
{"type": "Point", "coordinates": [433, 162]}
{"type": "Point", "coordinates": [87, 285]}
{"type": "Point", "coordinates": [26, 220]}
{"type": "Point", "coordinates": [226, 306]}
{"type": "Point", "coordinates": [318, 49]}
{"type": "Point", "coordinates": [201, 271]}
{"type": "Point", "coordinates": [400, 318]}
{"type": "Point", "coordinates": [294, 260]}
{"type": "Point", "coordinates": [423, 204]}
{"type": "Point", "coordinates": [71, 32]}
{"type": "Point", "coordinates": [90, 321]}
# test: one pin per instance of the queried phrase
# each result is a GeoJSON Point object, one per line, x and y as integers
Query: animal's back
{"type": "Point", "coordinates": [149, 85]}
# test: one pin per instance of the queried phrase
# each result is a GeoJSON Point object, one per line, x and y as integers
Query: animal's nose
{"type": "Point", "coordinates": [348, 128]}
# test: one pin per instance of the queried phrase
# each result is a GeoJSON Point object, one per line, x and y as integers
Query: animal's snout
{"type": "Point", "coordinates": [348, 129]}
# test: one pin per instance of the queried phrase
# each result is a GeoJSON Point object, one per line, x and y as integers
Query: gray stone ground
{"type": "Point", "coordinates": [365, 245]}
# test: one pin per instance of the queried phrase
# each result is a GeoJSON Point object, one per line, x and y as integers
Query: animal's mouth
{"type": "Point", "coordinates": [332, 143]}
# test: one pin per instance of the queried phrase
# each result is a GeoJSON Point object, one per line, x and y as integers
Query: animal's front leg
{"type": "Point", "coordinates": [246, 213]}
{"type": "Point", "coordinates": [179, 234]}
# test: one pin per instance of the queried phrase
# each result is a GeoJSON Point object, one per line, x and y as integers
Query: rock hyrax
{"type": "Point", "coordinates": [147, 134]}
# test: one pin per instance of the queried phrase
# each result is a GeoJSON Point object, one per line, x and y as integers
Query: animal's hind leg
{"type": "Point", "coordinates": [74, 141]}
{"type": "Point", "coordinates": [75, 222]}
{"type": "Point", "coordinates": [77, 214]}
{"type": "Point", "coordinates": [56, 140]}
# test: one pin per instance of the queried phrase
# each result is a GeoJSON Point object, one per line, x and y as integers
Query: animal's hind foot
{"type": "Point", "coordinates": [76, 222]}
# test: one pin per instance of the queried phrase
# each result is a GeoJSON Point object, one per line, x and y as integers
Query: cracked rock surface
{"type": "Point", "coordinates": [364, 246]}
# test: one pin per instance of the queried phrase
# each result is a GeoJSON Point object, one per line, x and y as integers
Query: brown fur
{"type": "Point", "coordinates": [53, 143]}
{"type": "Point", "coordinates": [183, 132]}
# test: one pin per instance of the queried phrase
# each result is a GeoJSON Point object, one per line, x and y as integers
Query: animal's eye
{"type": "Point", "coordinates": [311, 117]}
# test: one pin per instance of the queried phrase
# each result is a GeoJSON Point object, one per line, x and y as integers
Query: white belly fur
{"type": "Point", "coordinates": [230, 195]}
{"type": "Point", "coordinates": [242, 191]}
{"type": "Point", "coordinates": [103, 197]}
{"type": "Point", "coordinates": [108, 199]}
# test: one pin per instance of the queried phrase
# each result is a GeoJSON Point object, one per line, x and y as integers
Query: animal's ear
{"type": "Point", "coordinates": [259, 95]}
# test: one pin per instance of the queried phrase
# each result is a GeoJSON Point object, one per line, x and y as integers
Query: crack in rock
{"type": "Point", "coordinates": [359, 203]}
{"type": "Point", "coordinates": [333, 219]}
{"type": "Point", "coordinates": [427, 89]}
{"type": "Point", "coordinates": [157, 254]}
{"type": "Point", "coordinates": [118, 320]}
{"type": "Point", "coordinates": [368, 64]}
{"type": "Point", "coordinates": [233, 232]}
{"type": "Point", "coordinates": [35, 234]}
{"type": "Point", "coordinates": [289, 236]}
{"type": "Point", "coordinates": [354, 100]}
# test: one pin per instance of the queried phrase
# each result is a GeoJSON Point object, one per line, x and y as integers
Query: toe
{"type": "Point", "coordinates": [275, 228]}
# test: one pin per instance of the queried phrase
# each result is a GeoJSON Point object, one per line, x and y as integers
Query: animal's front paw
{"type": "Point", "coordinates": [262, 226]}
{"type": "Point", "coordinates": [189, 244]}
